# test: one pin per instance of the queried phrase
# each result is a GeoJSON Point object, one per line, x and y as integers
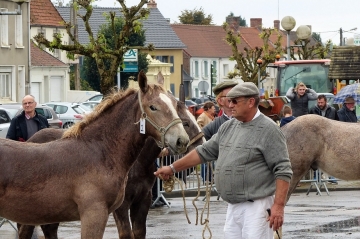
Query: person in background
{"type": "Point", "coordinates": [253, 168]}
{"type": "Point", "coordinates": [322, 108]}
{"type": "Point", "coordinates": [207, 116]}
{"type": "Point", "coordinates": [26, 124]}
{"type": "Point", "coordinates": [347, 113]}
{"type": "Point", "coordinates": [220, 91]}
{"type": "Point", "coordinates": [300, 96]}
{"type": "Point", "coordinates": [287, 116]}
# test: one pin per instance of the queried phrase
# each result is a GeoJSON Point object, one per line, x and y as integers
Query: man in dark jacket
{"type": "Point", "coordinates": [25, 125]}
{"type": "Point", "coordinates": [347, 112]}
{"type": "Point", "coordinates": [322, 108]}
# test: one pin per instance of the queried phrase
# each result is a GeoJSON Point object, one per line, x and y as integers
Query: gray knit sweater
{"type": "Point", "coordinates": [250, 157]}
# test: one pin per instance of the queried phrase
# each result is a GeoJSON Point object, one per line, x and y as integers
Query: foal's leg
{"type": "Point", "coordinates": [50, 230]}
{"type": "Point", "coordinates": [121, 216]}
{"type": "Point", "coordinates": [93, 221]}
{"type": "Point", "coordinates": [25, 231]}
{"type": "Point", "coordinates": [138, 215]}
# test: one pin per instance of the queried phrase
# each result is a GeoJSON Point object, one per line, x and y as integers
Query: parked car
{"type": "Point", "coordinates": [69, 113]}
{"type": "Point", "coordinates": [90, 104]}
{"type": "Point", "coordinates": [9, 111]}
{"type": "Point", "coordinates": [97, 98]}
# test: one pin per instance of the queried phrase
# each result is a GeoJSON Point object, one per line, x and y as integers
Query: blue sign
{"type": "Point", "coordinates": [131, 55]}
{"type": "Point", "coordinates": [130, 66]}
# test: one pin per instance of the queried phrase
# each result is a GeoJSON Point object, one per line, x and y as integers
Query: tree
{"type": "Point", "coordinates": [98, 47]}
{"type": "Point", "coordinates": [246, 60]}
{"type": "Point", "coordinates": [305, 51]}
{"type": "Point", "coordinates": [242, 21]}
{"type": "Point", "coordinates": [89, 70]}
{"type": "Point", "coordinates": [196, 17]}
{"type": "Point", "coordinates": [316, 36]}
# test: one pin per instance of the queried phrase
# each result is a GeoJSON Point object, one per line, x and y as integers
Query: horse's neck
{"type": "Point", "coordinates": [118, 131]}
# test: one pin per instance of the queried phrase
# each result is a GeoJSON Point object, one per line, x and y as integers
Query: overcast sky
{"type": "Point", "coordinates": [325, 17]}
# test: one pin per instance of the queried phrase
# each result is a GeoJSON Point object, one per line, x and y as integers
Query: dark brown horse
{"type": "Point", "coordinates": [83, 175]}
{"type": "Point", "coordinates": [140, 181]}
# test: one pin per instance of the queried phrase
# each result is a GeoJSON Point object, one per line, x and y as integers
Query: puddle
{"type": "Point", "coordinates": [347, 226]}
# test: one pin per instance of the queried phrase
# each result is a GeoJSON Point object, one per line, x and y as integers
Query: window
{"type": "Point", "coordinates": [167, 59]}
{"type": "Point", "coordinates": [4, 118]}
{"type": "Point", "coordinates": [43, 31]}
{"type": "Point", "coordinates": [4, 29]}
{"type": "Point", "coordinates": [5, 86]}
{"type": "Point", "coordinates": [226, 69]}
{"type": "Point", "coordinates": [18, 32]}
{"type": "Point", "coordinates": [57, 52]}
{"type": "Point", "coordinates": [196, 69]}
{"type": "Point", "coordinates": [206, 69]}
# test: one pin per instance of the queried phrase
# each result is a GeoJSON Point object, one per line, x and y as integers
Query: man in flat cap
{"type": "Point", "coordinates": [347, 113]}
{"type": "Point", "coordinates": [253, 169]}
{"type": "Point", "coordinates": [220, 90]}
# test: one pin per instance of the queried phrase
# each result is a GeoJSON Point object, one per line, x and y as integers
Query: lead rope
{"type": "Point", "coordinates": [169, 184]}
{"type": "Point", "coordinates": [206, 205]}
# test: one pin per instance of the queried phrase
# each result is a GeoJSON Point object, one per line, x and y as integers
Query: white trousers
{"type": "Point", "coordinates": [247, 220]}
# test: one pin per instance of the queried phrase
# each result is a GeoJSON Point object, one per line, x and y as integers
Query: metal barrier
{"type": "Point", "coordinates": [316, 179]}
{"type": "Point", "coordinates": [189, 177]}
{"type": "Point", "coordinates": [192, 176]}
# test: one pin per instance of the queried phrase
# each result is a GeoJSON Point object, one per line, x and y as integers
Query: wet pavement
{"type": "Point", "coordinates": [306, 216]}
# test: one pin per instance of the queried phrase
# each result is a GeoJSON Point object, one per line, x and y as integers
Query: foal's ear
{"type": "Point", "coordinates": [142, 80]}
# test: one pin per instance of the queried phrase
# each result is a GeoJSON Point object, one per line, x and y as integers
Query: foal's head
{"type": "Point", "coordinates": [156, 109]}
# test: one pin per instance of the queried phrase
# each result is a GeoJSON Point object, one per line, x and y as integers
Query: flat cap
{"type": "Point", "coordinates": [243, 89]}
{"type": "Point", "coordinates": [223, 85]}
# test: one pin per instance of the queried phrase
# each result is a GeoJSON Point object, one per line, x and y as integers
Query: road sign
{"type": "Point", "coordinates": [130, 67]}
{"type": "Point", "coordinates": [131, 55]}
{"type": "Point", "coordinates": [203, 86]}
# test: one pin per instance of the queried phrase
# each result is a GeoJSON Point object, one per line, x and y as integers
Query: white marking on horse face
{"type": "Point", "coordinates": [168, 102]}
{"type": "Point", "coordinates": [192, 117]}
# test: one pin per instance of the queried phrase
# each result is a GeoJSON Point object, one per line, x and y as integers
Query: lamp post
{"type": "Point", "coordinates": [288, 23]}
{"type": "Point", "coordinates": [259, 63]}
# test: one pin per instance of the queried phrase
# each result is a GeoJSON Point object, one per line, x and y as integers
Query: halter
{"type": "Point", "coordinates": [195, 138]}
{"type": "Point", "coordinates": [161, 130]}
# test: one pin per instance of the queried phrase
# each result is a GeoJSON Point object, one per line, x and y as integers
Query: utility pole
{"type": "Point", "coordinates": [341, 36]}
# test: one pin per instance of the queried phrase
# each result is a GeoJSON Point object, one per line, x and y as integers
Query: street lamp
{"type": "Point", "coordinates": [259, 62]}
{"type": "Point", "coordinates": [288, 23]}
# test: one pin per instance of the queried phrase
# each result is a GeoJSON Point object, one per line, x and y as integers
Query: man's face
{"type": "Point", "coordinates": [350, 106]}
{"type": "Point", "coordinates": [223, 101]}
{"type": "Point", "coordinates": [321, 103]}
{"type": "Point", "coordinates": [240, 107]}
{"type": "Point", "coordinates": [28, 104]}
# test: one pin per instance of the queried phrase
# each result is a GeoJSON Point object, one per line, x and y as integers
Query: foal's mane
{"type": "Point", "coordinates": [109, 101]}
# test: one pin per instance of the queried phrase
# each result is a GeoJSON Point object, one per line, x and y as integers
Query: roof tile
{"type": "Point", "coordinates": [43, 12]}
{"type": "Point", "coordinates": [40, 57]}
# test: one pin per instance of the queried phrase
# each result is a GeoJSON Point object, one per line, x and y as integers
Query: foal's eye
{"type": "Point", "coordinates": [153, 108]}
{"type": "Point", "coordinates": [186, 124]}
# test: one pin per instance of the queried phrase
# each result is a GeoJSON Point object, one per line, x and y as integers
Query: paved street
{"type": "Point", "coordinates": [312, 216]}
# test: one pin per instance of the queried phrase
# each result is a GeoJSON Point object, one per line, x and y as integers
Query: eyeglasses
{"type": "Point", "coordinates": [28, 103]}
{"type": "Point", "coordinates": [235, 101]}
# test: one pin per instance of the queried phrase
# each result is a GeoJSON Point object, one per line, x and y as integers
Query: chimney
{"type": "Point", "coordinates": [233, 22]}
{"type": "Point", "coordinates": [256, 22]}
{"type": "Point", "coordinates": [151, 4]}
{"type": "Point", "coordinates": [277, 24]}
